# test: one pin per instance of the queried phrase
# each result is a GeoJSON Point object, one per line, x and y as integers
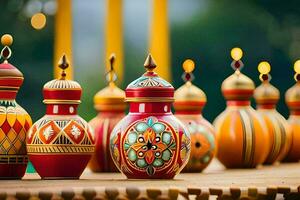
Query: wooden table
{"type": "Point", "coordinates": [268, 182]}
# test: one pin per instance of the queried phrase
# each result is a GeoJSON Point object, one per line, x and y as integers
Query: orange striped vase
{"type": "Point", "coordinates": [292, 98]}
{"type": "Point", "coordinates": [243, 141]}
{"type": "Point", "coordinates": [266, 96]}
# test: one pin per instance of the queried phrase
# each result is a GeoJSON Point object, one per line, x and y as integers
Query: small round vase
{"type": "Point", "coordinates": [150, 142]}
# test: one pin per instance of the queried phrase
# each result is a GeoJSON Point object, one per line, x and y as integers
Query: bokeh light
{"type": "Point", "coordinates": [38, 21]}
{"type": "Point", "coordinates": [264, 67]}
{"type": "Point", "coordinates": [297, 66]}
{"type": "Point", "coordinates": [188, 65]}
{"type": "Point", "coordinates": [236, 53]}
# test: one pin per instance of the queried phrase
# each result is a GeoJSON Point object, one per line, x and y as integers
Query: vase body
{"type": "Point", "coordinates": [292, 99]}
{"type": "Point", "coordinates": [279, 133]}
{"type": "Point", "coordinates": [61, 143]}
{"type": "Point", "coordinates": [103, 125]}
{"type": "Point", "coordinates": [14, 124]}
{"type": "Point", "coordinates": [150, 142]}
{"type": "Point", "coordinates": [243, 141]}
{"type": "Point", "coordinates": [203, 144]}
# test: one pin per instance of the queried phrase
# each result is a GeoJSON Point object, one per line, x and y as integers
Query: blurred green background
{"type": "Point", "coordinates": [204, 30]}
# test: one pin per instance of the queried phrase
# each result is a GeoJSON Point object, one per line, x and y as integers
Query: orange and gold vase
{"type": "Point", "coordinates": [150, 142]}
{"type": "Point", "coordinates": [14, 120]}
{"type": "Point", "coordinates": [266, 97]}
{"type": "Point", "coordinates": [242, 138]}
{"type": "Point", "coordinates": [110, 105]}
{"type": "Point", "coordinates": [189, 102]}
{"type": "Point", "coordinates": [292, 99]}
{"type": "Point", "coordinates": [61, 143]}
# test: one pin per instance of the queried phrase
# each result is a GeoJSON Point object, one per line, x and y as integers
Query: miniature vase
{"type": "Point", "coordinates": [14, 120]}
{"type": "Point", "coordinates": [61, 143]}
{"type": "Point", "coordinates": [189, 103]}
{"type": "Point", "coordinates": [150, 142]}
{"type": "Point", "coordinates": [110, 105]}
{"type": "Point", "coordinates": [242, 138]}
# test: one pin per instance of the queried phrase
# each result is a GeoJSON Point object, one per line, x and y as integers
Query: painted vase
{"type": "Point", "coordinates": [110, 105]}
{"type": "Point", "coordinates": [242, 138]}
{"type": "Point", "coordinates": [14, 120]}
{"type": "Point", "coordinates": [61, 143]}
{"type": "Point", "coordinates": [189, 102]}
{"type": "Point", "coordinates": [150, 142]}
{"type": "Point", "coordinates": [292, 99]}
{"type": "Point", "coordinates": [266, 97]}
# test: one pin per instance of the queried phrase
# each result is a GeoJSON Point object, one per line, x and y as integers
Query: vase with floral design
{"type": "Point", "coordinates": [150, 142]}
{"type": "Point", "coordinates": [61, 143]}
{"type": "Point", "coordinates": [110, 105]}
{"type": "Point", "coordinates": [14, 120]}
{"type": "Point", "coordinates": [189, 103]}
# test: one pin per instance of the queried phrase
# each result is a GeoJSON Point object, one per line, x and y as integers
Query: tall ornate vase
{"type": "Point", "coordinates": [14, 120]}
{"type": "Point", "coordinates": [243, 140]}
{"type": "Point", "coordinates": [189, 102]}
{"type": "Point", "coordinates": [110, 105]}
{"type": "Point", "coordinates": [61, 143]}
{"type": "Point", "coordinates": [150, 142]}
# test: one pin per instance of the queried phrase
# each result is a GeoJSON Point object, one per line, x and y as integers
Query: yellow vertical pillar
{"type": "Point", "coordinates": [63, 36]}
{"type": "Point", "coordinates": [114, 35]}
{"type": "Point", "coordinates": [159, 38]}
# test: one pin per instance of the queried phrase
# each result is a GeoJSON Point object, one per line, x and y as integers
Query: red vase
{"type": "Point", "coordinates": [189, 102]}
{"type": "Point", "coordinates": [150, 142]}
{"type": "Point", "coordinates": [61, 143]}
{"type": "Point", "coordinates": [110, 105]}
{"type": "Point", "coordinates": [14, 120]}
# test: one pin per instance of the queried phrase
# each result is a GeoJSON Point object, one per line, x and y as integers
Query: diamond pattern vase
{"type": "Point", "coordinates": [61, 143]}
{"type": "Point", "coordinates": [14, 120]}
{"type": "Point", "coordinates": [150, 142]}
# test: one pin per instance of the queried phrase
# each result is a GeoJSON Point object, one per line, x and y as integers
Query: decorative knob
{"type": "Point", "coordinates": [236, 54]}
{"type": "Point", "coordinates": [264, 69]}
{"type": "Point", "coordinates": [6, 41]}
{"type": "Point", "coordinates": [188, 67]}
{"type": "Point", "coordinates": [63, 63]}
{"type": "Point", "coordinates": [297, 70]}
{"type": "Point", "coordinates": [149, 64]}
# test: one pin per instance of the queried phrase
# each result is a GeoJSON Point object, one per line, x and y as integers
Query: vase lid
{"type": "Point", "coordinates": [266, 93]}
{"type": "Point", "coordinates": [111, 97]}
{"type": "Point", "coordinates": [61, 90]}
{"type": "Point", "coordinates": [237, 86]}
{"type": "Point", "coordinates": [149, 87]}
{"type": "Point", "coordinates": [292, 95]}
{"type": "Point", "coordinates": [189, 96]}
{"type": "Point", "coordinates": [11, 78]}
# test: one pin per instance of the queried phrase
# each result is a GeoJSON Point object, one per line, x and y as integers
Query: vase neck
{"type": "Point", "coordinates": [238, 103]}
{"type": "Point", "coordinates": [61, 109]}
{"type": "Point", "coordinates": [155, 107]}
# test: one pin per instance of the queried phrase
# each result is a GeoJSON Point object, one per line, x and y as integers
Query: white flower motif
{"type": "Point", "coordinates": [75, 131]}
{"type": "Point", "coordinates": [48, 132]}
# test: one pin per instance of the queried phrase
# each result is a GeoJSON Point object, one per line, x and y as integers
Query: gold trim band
{"type": "Point", "coordinates": [13, 159]}
{"type": "Point", "coordinates": [150, 99]}
{"type": "Point", "coordinates": [49, 149]}
{"type": "Point", "coordinates": [59, 101]}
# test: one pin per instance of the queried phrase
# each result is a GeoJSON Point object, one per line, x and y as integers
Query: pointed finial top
{"type": "Point", "coordinates": [149, 64]}
{"type": "Point", "coordinates": [63, 64]}
{"type": "Point", "coordinates": [111, 76]}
